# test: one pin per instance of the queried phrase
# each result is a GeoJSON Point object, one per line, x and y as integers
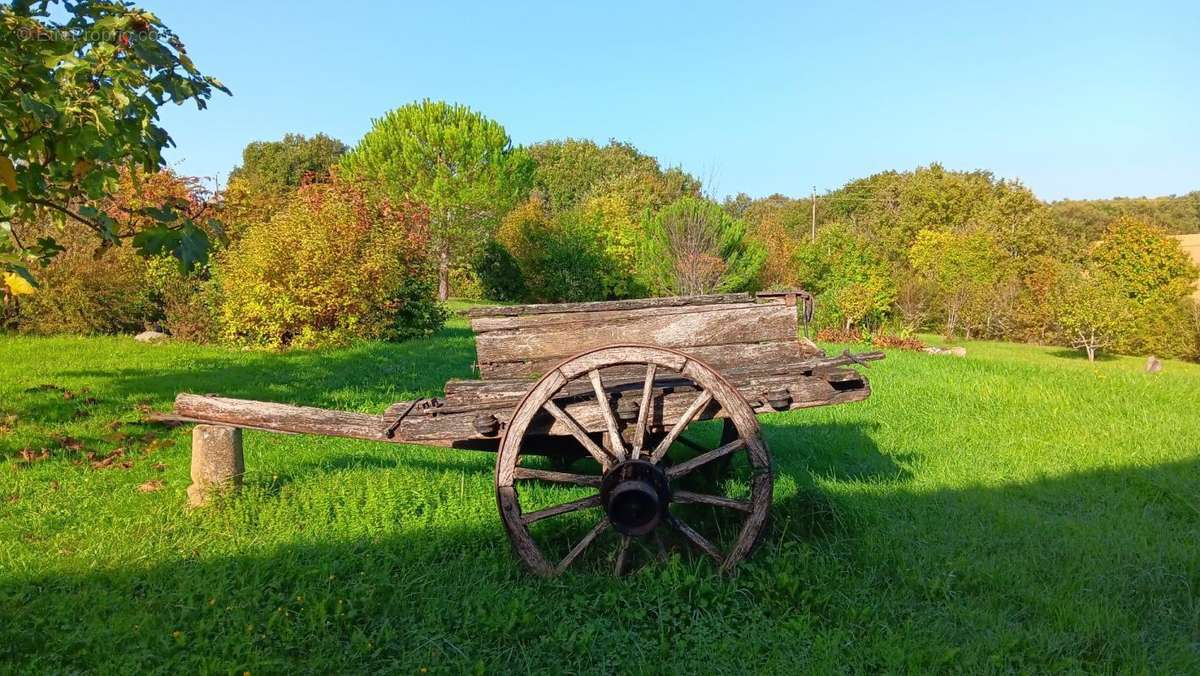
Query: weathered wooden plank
{"type": "Point", "coordinates": [579, 320]}
{"type": "Point", "coordinates": [458, 429]}
{"type": "Point", "coordinates": [740, 324]}
{"type": "Point", "coordinates": [804, 392]}
{"type": "Point", "coordinates": [497, 391]}
{"type": "Point", "coordinates": [719, 357]}
{"type": "Point", "coordinates": [274, 417]}
{"type": "Point", "coordinates": [631, 304]}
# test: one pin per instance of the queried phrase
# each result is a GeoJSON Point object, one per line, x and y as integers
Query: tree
{"type": "Point", "coordinates": [569, 171]}
{"type": "Point", "coordinates": [781, 224]}
{"type": "Point", "coordinates": [1143, 259]}
{"type": "Point", "coordinates": [693, 247]}
{"type": "Point", "coordinates": [1090, 310]}
{"type": "Point", "coordinates": [850, 283]}
{"type": "Point", "coordinates": [457, 162]}
{"type": "Point", "coordinates": [1153, 276]}
{"type": "Point", "coordinates": [282, 166]}
{"type": "Point", "coordinates": [79, 99]}
{"type": "Point", "coordinates": [271, 171]}
{"type": "Point", "coordinates": [965, 269]}
{"type": "Point", "coordinates": [1084, 221]}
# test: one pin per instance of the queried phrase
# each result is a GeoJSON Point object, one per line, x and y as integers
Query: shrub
{"type": "Point", "coordinates": [561, 257]}
{"type": "Point", "coordinates": [188, 305]}
{"type": "Point", "coordinates": [91, 288]}
{"type": "Point", "coordinates": [499, 275]}
{"type": "Point", "coordinates": [567, 261]}
{"type": "Point", "coordinates": [832, 334]}
{"type": "Point", "coordinates": [332, 266]}
{"type": "Point", "coordinates": [896, 342]}
{"type": "Point", "coordinates": [852, 287]}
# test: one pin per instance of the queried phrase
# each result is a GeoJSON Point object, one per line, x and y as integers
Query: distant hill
{"type": "Point", "coordinates": [1179, 214]}
{"type": "Point", "coordinates": [1191, 244]}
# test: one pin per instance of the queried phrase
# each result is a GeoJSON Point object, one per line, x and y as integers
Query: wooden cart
{"type": "Point", "coordinates": [597, 413]}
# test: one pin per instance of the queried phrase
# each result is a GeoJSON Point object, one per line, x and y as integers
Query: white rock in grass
{"type": "Point", "coordinates": [956, 351]}
{"type": "Point", "coordinates": [151, 337]}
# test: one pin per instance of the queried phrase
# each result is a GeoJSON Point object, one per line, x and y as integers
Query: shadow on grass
{"type": "Point", "coordinates": [1080, 355]}
{"type": "Point", "coordinates": [1100, 567]}
{"type": "Point", "coordinates": [365, 377]}
{"type": "Point", "coordinates": [374, 370]}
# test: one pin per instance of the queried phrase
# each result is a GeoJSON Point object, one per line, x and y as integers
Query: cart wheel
{"type": "Point", "coordinates": [636, 491]}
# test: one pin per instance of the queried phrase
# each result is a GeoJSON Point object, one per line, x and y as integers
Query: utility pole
{"type": "Point", "coordinates": [814, 213]}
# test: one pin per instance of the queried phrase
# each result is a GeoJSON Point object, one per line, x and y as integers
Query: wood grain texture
{"type": "Point", "coordinates": [434, 428]}
{"type": "Point", "coordinates": [526, 349]}
{"type": "Point", "coordinates": [720, 357]}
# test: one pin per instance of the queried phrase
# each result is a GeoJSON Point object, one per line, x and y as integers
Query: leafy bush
{"type": "Point", "coordinates": [331, 267]}
{"type": "Point", "coordinates": [89, 290]}
{"type": "Point", "coordinates": [188, 305]}
{"type": "Point", "coordinates": [499, 275]}
{"type": "Point", "coordinates": [567, 263]}
{"type": "Point", "coordinates": [561, 257]}
{"type": "Point", "coordinates": [95, 288]}
{"type": "Point", "coordinates": [851, 286]}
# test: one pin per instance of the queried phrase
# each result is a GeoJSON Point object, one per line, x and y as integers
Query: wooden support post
{"type": "Point", "coordinates": [217, 461]}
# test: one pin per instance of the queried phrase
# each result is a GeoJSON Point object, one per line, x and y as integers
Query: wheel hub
{"type": "Point", "coordinates": [635, 494]}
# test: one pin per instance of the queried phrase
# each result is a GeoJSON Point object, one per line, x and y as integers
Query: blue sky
{"type": "Point", "coordinates": [1084, 100]}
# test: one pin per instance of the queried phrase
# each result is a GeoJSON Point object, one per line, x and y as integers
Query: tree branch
{"type": "Point", "coordinates": [64, 210]}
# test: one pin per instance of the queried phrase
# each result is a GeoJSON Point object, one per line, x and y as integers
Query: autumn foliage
{"type": "Point", "coordinates": [332, 266]}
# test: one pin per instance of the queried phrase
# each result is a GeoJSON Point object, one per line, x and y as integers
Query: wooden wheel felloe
{"type": "Point", "coordinates": [635, 492]}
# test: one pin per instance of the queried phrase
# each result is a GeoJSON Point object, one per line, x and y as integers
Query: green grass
{"type": "Point", "coordinates": [1019, 510]}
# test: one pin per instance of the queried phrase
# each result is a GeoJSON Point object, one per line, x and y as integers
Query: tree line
{"type": "Point", "coordinates": [313, 241]}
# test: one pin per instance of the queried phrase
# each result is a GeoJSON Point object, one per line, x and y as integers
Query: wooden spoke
{"type": "Point", "coordinates": [662, 548]}
{"type": "Point", "coordinates": [556, 415]}
{"type": "Point", "coordinates": [639, 436]}
{"type": "Point", "coordinates": [697, 539]}
{"type": "Point", "coordinates": [610, 420]}
{"type": "Point", "coordinates": [715, 500]}
{"type": "Point", "coordinates": [676, 471]}
{"type": "Point", "coordinates": [556, 477]}
{"type": "Point", "coordinates": [622, 555]}
{"type": "Point", "coordinates": [602, 456]}
{"type": "Point", "coordinates": [573, 506]}
{"type": "Point", "coordinates": [583, 544]}
{"type": "Point", "coordinates": [691, 412]}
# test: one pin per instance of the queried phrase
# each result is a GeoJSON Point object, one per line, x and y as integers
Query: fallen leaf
{"type": "Point", "coordinates": [110, 460]}
{"type": "Point", "coordinates": [30, 456]}
{"type": "Point", "coordinates": [150, 486]}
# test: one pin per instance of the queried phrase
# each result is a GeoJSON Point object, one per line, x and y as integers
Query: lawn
{"type": "Point", "coordinates": [1016, 510]}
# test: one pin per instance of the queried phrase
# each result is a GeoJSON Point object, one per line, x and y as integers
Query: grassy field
{"type": "Point", "coordinates": [1019, 510]}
